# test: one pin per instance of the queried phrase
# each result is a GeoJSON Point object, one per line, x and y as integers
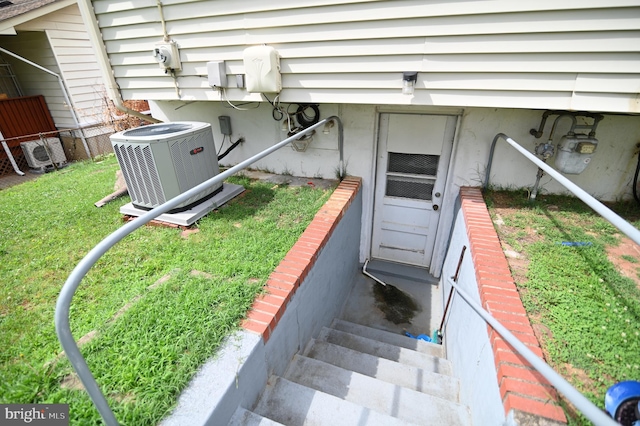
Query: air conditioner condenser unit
{"type": "Point", "coordinates": [162, 161]}
{"type": "Point", "coordinates": [41, 156]}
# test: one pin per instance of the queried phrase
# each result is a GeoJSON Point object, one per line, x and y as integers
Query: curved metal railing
{"type": "Point", "coordinates": [69, 288]}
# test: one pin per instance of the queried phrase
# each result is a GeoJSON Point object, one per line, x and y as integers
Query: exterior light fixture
{"type": "Point", "coordinates": [409, 79]}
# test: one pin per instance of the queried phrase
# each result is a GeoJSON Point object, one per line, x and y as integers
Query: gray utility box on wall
{"type": "Point", "coordinates": [161, 161]}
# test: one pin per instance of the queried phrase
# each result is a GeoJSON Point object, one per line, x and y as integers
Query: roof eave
{"type": "Point", "coordinates": [8, 26]}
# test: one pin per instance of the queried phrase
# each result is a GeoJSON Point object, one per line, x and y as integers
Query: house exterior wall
{"type": "Point", "coordinates": [75, 61]}
{"type": "Point", "coordinates": [578, 55]}
{"type": "Point", "coordinates": [609, 176]}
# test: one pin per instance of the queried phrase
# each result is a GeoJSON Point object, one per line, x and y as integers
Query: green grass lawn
{"type": "Point", "coordinates": [145, 357]}
{"type": "Point", "coordinates": [586, 313]}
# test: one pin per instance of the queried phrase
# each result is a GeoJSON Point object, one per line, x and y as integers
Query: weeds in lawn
{"type": "Point", "coordinates": [145, 356]}
{"type": "Point", "coordinates": [589, 311]}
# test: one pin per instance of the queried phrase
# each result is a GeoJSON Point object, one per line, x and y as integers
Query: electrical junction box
{"type": "Point", "coordinates": [216, 74]}
{"type": "Point", "coordinates": [167, 55]}
{"type": "Point", "coordinates": [262, 69]}
{"type": "Point", "coordinates": [225, 124]}
{"type": "Point", "coordinates": [574, 153]}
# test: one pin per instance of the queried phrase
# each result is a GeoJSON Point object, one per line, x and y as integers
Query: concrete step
{"type": "Point", "coordinates": [387, 398]}
{"type": "Point", "coordinates": [407, 376]}
{"type": "Point", "coordinates": [388, 337]}
{"type": "Point", "coordinates": [294, 405]}
{"type": "Point", "coordinates": [386, 351]}
{"type": "Point", "coordinates": [244, 417]}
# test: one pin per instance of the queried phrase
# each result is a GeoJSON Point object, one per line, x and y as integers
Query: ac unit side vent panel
{"type": "Point", "coordinates": [191, 170]}
{"type": "Point", "coordinates": [140, 174]}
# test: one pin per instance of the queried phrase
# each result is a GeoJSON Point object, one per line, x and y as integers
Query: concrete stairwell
{"type": "Point", "coordinates": [357, 375]}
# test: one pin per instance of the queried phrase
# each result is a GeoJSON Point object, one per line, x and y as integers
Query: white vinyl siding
{"type": "Point", "coordinates": [502, 53]}
{"type": "Point", "coordinates": [76, 62]}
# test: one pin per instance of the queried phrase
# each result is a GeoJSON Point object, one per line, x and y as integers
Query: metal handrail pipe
{"type": "Point", "coordinates": [588, 408]}
{"type": "Point", "coordinates": [624, 226]}
{"type": "Point", "coordinates": [69, 288]}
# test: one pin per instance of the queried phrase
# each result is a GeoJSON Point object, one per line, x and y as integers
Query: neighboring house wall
{"type": "Point", "coordinates": [75, 59]}
{"type": "Point", "coordinates": [34, 46]}
{"type": "Point", "coordinates": [59, 42]}
{"type": "Point", "coordinates": [579, 55]}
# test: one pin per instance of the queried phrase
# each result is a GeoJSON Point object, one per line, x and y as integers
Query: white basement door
{"type": "Point", "coordinates": [413, 157]}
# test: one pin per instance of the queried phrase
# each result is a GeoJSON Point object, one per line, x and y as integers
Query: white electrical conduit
{"type": "Point", "coordinates": [91, 21]}
{"type": "Point", "coordinates": [590, 410]}
{"type": "Point", "coordinates": [164, 23]}
{"type": "Point", "coordinates": [64, 94]}
{"type": "Point", "coordinates": [624, 226]}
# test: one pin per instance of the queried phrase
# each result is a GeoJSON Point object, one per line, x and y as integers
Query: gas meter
{"type": "Point", "coordinates": [574, 153]}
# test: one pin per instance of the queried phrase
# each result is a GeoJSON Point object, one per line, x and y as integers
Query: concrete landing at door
{"type": "Point", "coordinates": [364, 305]}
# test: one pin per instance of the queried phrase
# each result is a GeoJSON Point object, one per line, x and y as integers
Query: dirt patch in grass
{"type": "Point", "coordinates": [626, 258]}
{"type": "Point", "coordinates": [579, 375]}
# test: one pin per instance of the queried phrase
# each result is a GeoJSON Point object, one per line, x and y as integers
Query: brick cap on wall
{"type": "Point", "coordinates": [522, 388]}
{"type": "Point", "coordinates": [289, 275]}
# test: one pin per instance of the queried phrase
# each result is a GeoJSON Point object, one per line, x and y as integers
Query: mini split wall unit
{"type": "Point", "coordinates": [41, 154]}
{"type": "Point", "coordinates": [161, 161]}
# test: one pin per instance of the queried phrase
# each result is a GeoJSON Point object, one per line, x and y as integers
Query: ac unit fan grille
{"type": "Point", "coordinates": [40, 153]}
{"type": "Point", "coordinates": [157, 130]}
{"type": "Point", "coordinates": [140, 174]}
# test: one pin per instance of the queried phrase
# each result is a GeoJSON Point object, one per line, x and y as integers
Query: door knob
{"type": "Point", "coordinates": [435, 207]}
{"type": "Point", "coordinates": [437, 194]}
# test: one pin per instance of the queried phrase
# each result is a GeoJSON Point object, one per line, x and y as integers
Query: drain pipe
{"type": "Point", "coordinates": [534, 191]}
{"type": "Point", "coordinates": [368, 274]}
{"type": "Point", "coordinates": [65, 94]}
{"type": "Point", "coordinates": [91, 21]}
{"type": "Point", "coordinates": [546, 153]}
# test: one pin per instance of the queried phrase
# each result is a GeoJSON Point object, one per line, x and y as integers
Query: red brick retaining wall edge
{"type": "Point", "coordinates": [283, 282]}
{"type": "Point", "coordinates": [522, 388]}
